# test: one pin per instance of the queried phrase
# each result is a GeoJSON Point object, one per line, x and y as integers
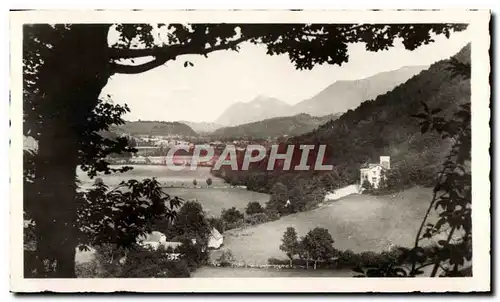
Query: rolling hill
{"type": "Point", "coordinates": [154, 128]}
{"type": "Point", "coordinates": [274, 127]}
{"type": "Point", "coordinates": [202, 127]}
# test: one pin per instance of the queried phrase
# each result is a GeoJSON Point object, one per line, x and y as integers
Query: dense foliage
{"type": "Point", "coordinates": [143, 263]}
{"type": "Point", "coordinates": [274, 127]}
{"type": "Point", "coordinates": [190, 222]}
{"type": "Point", "coordinates": [254, 207]}
{"type": "Point", "coordinates": [231, 215]}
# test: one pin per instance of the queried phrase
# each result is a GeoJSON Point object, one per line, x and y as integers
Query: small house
{"type": "Point", "coordinates": [373, 172]}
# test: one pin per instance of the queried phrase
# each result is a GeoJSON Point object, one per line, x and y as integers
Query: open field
{"type": "Point", "coordinates": [214, 200]}
{"type": "Point", "coordinates": [356, 222]}
{"type": "Point", "coordinates": [162, 174]}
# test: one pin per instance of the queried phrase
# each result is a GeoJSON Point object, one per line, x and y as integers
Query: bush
{"type": "Point", "coordinates": [276, 261]}
{"type": "Point", "coordinates": [272, 215]}
{"type": "Point", "coordinates": [254, 207]}
{"type": "Point", "coordinates": [195, 255]}
{"type": "Point", "coordinates": [234, 225]}
{"type": "Point", "coordinates": [87, 269]}
{"type": "Point", "coordinates": [348, 258]}
{"type": "Point", "coordinates": [369, 258]}
{"type": "Point", "coordinates": [231, 215]}
{"type": "Point", "coordinates": [256, 218]}
{"type": "Point", "coordinates": [226, 258]}
{"type": "Point", "coordinates": [177, 269]}
{"type": "Point", "coordinates": [143, 263]}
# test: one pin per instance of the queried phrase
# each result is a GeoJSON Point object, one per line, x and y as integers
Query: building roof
{"type": "Point", "coordinates": [154, 236]}
{"type": "Point", "coordinates": [370, 166]}
{"type": "Point", "coordinates": [216, 234]}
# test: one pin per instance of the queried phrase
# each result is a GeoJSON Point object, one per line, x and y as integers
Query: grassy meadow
{"type": "Point", "coordinates": [356, 222]}
{"type": "Point", "coordinates": [213, 199]}
{"type": "Point", "coordinates": [165, 176]}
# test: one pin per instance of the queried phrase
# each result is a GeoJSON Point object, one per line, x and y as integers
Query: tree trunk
{"type": "Point", "coordinates": [55, 224]}
{"type": "Point", "coordinates": [71, 79]}
{"type": "Point", "coordinates": [315, 261]}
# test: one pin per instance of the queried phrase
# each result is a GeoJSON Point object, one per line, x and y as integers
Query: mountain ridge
{"type": "Point", "coordinates": [343, 95]}
{"type": "Point", "coordinates": [337, 97]}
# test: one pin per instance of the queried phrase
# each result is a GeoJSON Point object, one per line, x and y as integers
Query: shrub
{"type": "Point", "coordinates": [177, 269]}
{"type": "Point", "coordinates": [153, 264]}
{"type": "Point", "coordinates": [254, 207]}
{"type": "Point", "coordinates": [272, 215]}
{"type": "Point", "coordinates": [348, 259]}
{"type": "Point", "coordinates": [87, 269]}
{"type": "Point", "coordinates": [257, 218]}
{"type": "Point", "coordinates": [370, 258]}
{"type": "Point", "coordinates": [142, 263]}
{"type": "Point", "coordinates": [275, 261]}
{"type": "Point", "coordinates": [234, 225]}
{"type": "Point", "coordinates": [231, 215]}
{"type": "Point", "coordinates": [195, 254]}
{"type": "Point", "coordinates": [367, 186]}
{"type": "Point", "coordinates": [226, 258]}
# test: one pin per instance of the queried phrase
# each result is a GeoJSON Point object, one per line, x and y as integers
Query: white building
{"type": "Point", "coordinates": [373, 172]}
{"type": "Point", "coordinates": [216, 239]}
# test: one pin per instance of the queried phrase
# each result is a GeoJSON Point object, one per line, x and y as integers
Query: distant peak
{"type": "Point", "coordinates": [261, 98]}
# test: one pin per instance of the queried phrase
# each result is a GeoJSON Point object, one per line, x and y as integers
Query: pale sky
{"type": "Point", "coordinates": [202, 92]}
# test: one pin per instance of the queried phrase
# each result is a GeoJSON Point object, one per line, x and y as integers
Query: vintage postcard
{"type": "Point", "coordinates": [248, 151]}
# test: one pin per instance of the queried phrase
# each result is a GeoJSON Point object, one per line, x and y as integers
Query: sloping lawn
{"type": "Point", "coordinates": [356, 222]}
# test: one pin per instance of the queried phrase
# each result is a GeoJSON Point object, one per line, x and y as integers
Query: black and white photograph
{"type": "Point", "coordinates": [198, 149]}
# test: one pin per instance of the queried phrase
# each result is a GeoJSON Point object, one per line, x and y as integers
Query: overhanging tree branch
{"type": "Point", "coordinates": [134, 69]}
{"type": "Point", "coordinates": [162, 54]}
